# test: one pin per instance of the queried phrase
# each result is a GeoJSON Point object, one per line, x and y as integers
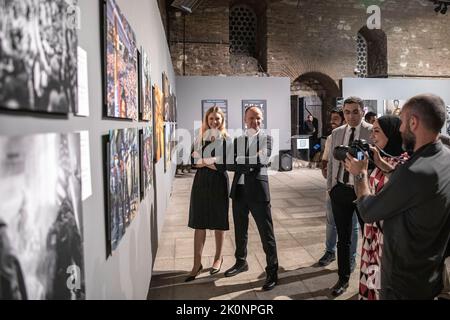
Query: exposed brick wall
{"type": "Point", "coordinates": [316, 36]}
{"type": "Point", "coordinates": [162, 4]}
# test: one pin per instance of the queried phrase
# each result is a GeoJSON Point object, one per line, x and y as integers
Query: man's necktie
{"type": "Point", "coordinates": [346, 173]}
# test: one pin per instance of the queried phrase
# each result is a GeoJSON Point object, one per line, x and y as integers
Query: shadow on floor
{"type": "Point", "coordinates": [171, 285]}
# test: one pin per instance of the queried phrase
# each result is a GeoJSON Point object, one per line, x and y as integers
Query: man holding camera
{"type": "Point", "coordinates": [340, 185]}
{"type": "Point", "coordinates": [414, 205]}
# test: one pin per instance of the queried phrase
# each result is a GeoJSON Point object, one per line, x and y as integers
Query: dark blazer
{"type": "Point", "coordinates": [252, 161]}
{"type": "Point", "coordinates": [415, 207]}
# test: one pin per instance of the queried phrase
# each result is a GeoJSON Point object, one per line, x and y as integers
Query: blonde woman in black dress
{"type": "Point", "coordinates": [209, 196]}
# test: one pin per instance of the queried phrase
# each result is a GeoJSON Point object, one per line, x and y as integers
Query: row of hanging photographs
{"type": "Point", "coordinates": [41, 219]}
{"type": "Point", "coordinates": [130, 174]}
{"type": "Point", "coordinates": [390, 107]}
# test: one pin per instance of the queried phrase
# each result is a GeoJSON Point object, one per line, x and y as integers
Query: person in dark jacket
{"type": "Point", "coordinates": [414, 204]}
{"type": "Point", "coordinates": [250, 193]}
{"type": "Point", "coordinates": [209, 197]}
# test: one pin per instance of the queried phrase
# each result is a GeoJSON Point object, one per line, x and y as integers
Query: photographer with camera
{"type": "Point", "coordinates": [340, 185]}
{"type": "Point", "coordinates": [387, 139]}
{"type": "Point", "coordinates": [336, 120]}
{"type": "Point", "coordinates": [414, 205]}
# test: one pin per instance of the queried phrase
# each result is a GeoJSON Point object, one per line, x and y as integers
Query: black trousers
{"type": "Point", "coordinates": [342, 197]}
{"type": "Point", "coordinates": [261, 212]}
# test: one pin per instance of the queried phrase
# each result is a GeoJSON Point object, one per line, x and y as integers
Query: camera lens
{"type": "Point", "coordinates": [340, 153]}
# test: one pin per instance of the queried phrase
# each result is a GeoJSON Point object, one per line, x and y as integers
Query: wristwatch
{"type": "Point", "coordinates": [360, 176]}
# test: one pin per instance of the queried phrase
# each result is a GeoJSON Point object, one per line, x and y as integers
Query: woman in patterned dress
{"type": "Point", "coordinates": [387, 138]}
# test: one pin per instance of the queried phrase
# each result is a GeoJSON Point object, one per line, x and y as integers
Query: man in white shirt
{"type": "Point", "coordinates": [250, 193]}
{"type": "Point", "coordinates": [337, 119]}
{"type": "Point", "coordinates": [340, 184]}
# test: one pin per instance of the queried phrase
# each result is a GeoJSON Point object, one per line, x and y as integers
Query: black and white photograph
{"type": "Point", "coordinates": [448, 120]}
{"type": "Point", "coordinates": [38, 56]}
{"type": "Point", "coordinates": [371, 106]}
{"type": "Point", "coordinates": [41, 219]}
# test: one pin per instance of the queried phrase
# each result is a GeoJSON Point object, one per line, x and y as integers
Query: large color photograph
{"type": "Point", "coordinates": [146, 89]}
{"type": "Point", "coordinates": [38, 56]}
{"type": "Point", "coordinates": [123, 181]}
{"type": "Point", "coordinates": [167, 146]}
{"type": "Point", "coordinates": [159, 122]}
{"type": "Point", "coordinates": [121, 65]}
{"type": "Point", "coordinates": [146, 161]}
{"type": "Point", "coordinates": [41, 220]}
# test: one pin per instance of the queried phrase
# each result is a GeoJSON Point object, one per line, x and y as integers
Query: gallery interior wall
{"type": "Point", "coordinates": [390, 89]}
{"type": "Point", "coordinates": [192, 90]}
{"type": "Point", "coordinates": [127, 273]}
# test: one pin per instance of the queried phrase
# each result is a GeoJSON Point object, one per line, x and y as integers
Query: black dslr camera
{"type": "Point", "coordinates": [356, 149]}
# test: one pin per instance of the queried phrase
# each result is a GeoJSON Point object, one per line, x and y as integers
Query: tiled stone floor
{"type": "Point", "coordinates": [299, 222]}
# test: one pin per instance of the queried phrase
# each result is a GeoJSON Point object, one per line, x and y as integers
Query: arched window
{"type": "Point", "coordinates": [243, 28]}
{"type": "Point", "coordinates": [372, 53]}
{"type": "Point", "coordinates": [361, 56]}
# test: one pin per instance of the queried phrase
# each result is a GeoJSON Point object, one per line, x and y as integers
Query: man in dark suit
{"type": "Point", "coordinates": [250, 193]}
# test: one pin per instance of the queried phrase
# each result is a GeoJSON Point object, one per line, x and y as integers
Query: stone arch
{"type": "Point", "coordinates": [315, 87]}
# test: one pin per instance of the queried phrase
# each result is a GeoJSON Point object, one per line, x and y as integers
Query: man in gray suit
{"type": "Point", "coordinates": [414, 205]}
{"type": "Point", "coordinates": [340, 185]}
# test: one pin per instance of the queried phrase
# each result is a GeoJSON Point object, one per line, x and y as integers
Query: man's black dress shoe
{"type": "Point", "coordinates": [236, 269]}
{"type": "Point", "coordinates": [192, 278]}
{"type": "Point", "coordinates": [271, 282]}
{"type": "Point", "coordinates": [327, 258]}
{"type": "Point", "coordinates": [339, 288]}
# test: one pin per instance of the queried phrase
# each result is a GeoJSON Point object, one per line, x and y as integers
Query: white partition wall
{"type": "Point", "coordinates": [276, 91]}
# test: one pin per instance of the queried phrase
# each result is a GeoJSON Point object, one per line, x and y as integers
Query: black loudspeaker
{"type": "Point", "coordinates": [285, 160]}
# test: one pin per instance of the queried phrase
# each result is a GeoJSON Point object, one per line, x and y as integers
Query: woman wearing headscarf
{"type": "Point", "coordinates": [388, 148]}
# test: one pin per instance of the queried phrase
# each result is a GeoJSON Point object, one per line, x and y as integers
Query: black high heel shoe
{"type": "Point", "coordinates": [192, 278]}
{"type": "Point", "coordinates": [214, 270]}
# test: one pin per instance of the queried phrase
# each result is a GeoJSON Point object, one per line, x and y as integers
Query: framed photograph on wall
{"type": "Point", "coordinates": [448, 120]}
{"type": "Point", "coordinates": [121, 65]}
{"type": "Point", "coordinates": [41, 217]}
{"type": "Point", "coordinates": [123, 182]}
{"type": "Point", "coordinates": [393, 106]}
{"type": "Point", "coordinates": [38, 56]}
{"type": "Point", "coordinates": [167, 147]}
{"type": "Point", "coordinates": [146, 112]}
{"type": "Point", "coordinates": [221, 103]}
{"type": "Point", "coordinates": [261, 104]}
{"type": "Point", "coordinates": [166, 96]}
{"type": "Point", "coordinates": [371, 106]}
{"type": "Point", "coordinates": [146, 155]}
{"type": "Point", "coordinates": [159, 122]}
